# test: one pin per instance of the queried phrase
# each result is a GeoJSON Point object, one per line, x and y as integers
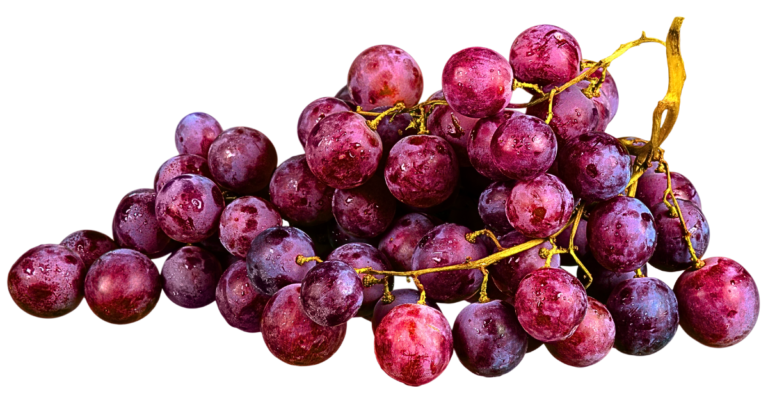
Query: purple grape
{"type": "Point", "coordinates": [321, 239]}
{"type": "Point", "coordinates": [479, 145]}
{"type": "Point", "coordinates": [89, 245]}
{"type": "Point", "coordinates": [446, 245]}
{"type": "Point", "coordinates": [508, 273]}
{"type": "Point", "coordinates": [242, 220]}
{"type": "Point", "coordinates": [672, 252]}
{"type": "Point", "coordinates": [544, 55]}
{"type": "Point", "coordinates": [188, 208]}
{"type": "Point", "coordinates": [242, 160]}
{"type": "Point", "coordinates": [344, 95]}
{"type": "Point", "coordinates": [652, 185]}
{"type": "Point", "coordinates": [488, 339]}
{"type": "Point", "coordinates": [550, 304]}
{"type": "Point", "coordinates": [453, 127]}
{"type": "Point", "coordinates": [492, 207]}
{"type": "Point", "coordinates": [365, 211]}
{"type": "Point", "coordinates": [213, 245]}
{"type": "Point", "coordinates": [402, 296]}
{"type": "Point", "coordinates": [317, 111]}
{"type": "Point", "coordinates": [603, 280]}
{"type": "Point", "coordinates": [272, 258]}
{"type": "Point", "coordinates": [592, 340]}
{"type": "Point", "coordinates": [523, 147]}
{"type": "Point", "coordinates": [621, 234]}
{"type": "Point", "coordinates": [477, 82]}
{"type": "Point", "coordinates": [195, 134]}
{"type": "Point", "coordinates": [47, 281]}
{"type": "Point", "coordinates": [608, 102]}
{"type": "Point", "coordinates": [190, 276]}
{"type": "Point", "coordinates": [539, 207]}
{"type": "Point", "coordinates": [291, 336]}
{"type": "Point", "coordinates": [563, 240]}
{"type": "Point", "coordinates": [331, 293]}
{"type": "Point", "coordinates": [573, 113]}
{"type": "Point", "coordinates": [646, 315]}
{"type": "Point", "coordinates": [338, 237]}
{"type": "Point", "coordinates": [594, 166]}
{"type": "Point", "coordinates": [383, 75]}
{"type": "Point", "coordinates": [179, 165]}
{"type": "Point", "coordinates": [135, 225]}
{"type": "Point", "coordinates": [392, 128]}
{"type": "Point", "coordinates": [719, 303]}
{"type": "Point", "coordinates": [413, 344]}
{"type": "Point", "coordinates": [343, 151]}
{"type": "Point", "coordinates": [239, 302]}
{"type": "Point", "coordinates": [301, 198]}
{"type": "Point", "coordinates": [361, 255]}
{"type": "Point", "coordinates": [123, 286]}
{"type": "Point", "coordinates": [399, 242]}
{"type": "Point", "coordinates": [421, 171]}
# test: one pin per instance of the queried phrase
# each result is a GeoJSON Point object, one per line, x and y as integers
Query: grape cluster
{"type": "Point", "coordinates": [390, 187]}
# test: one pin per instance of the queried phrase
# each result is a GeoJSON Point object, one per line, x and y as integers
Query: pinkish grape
{"type": "Point", "coordinates": [652, 185]}
{"type": "Point", "coordinates": [331, 293]}
{"type": "Point", "coordinates": [89, 245]}
{"type": "Point", "coordinates": [508, 273]}
{"type": "Point", "coordinates": [573, 113]}
{"type": "Point", "coordinates": [672, 253]}
{"type": "Point", "coordinates": [239, 302]}
{"type": "Point", "coordinates": [135, 225]}
{"type": "Point", "coordinates": [399, 242]}
{"type": "Point", "coordinates": [301, 198]}
{"type": "Point", "coordinates": [362, 255]}
{"type": "Point", "coordinates": [195, 134]}
{"type": "Point", "coordinates": [242, 160]}
{"type": "Point", "coordinates": [365, 211]}
{"type": "Point", "coordinates": [479, 145]}
{"type": "Point", "coordinates": [242, 220]}
{"type": "Point", "coordinates": [272, 258]}
{"type": "Point", "coordinates": [383, 75]}
{"type": "Point", "coordinates": [188, 208]}
{"type": "Point", "coordinates": [402, 296]}
{"type": "Point", "coordinates": [592, 340]}
{"type": "Point", "coordinates": [492, 207]}
{"type": "Point", "coordinates": [317, 111]}
{"type": "Point", "coordinates": [539, 207]}
{"type": "Point", "coordinates": [544, 55]}
{"type": "Point", "coordinates": [595, 166]}
{"type": "Point", "coordinates": [179, 165]}
{"type": "Point", "coordinates": [190, 276]}
{"type": "Point", "coordinates": [477, 82]}
{"type": "Point", "coordinates": [621, 233]}
{"type": "Point", "coordinates": [523, 147]}
{"type": "Point", "coordinates": [453, 127]}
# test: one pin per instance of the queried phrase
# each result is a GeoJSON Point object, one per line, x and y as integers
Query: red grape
{"type": "Point", "coordinates": [384, 75]}
{"type": "Point", "coordinates": [89, 245]}
{"type": "Point", "coordinates": [595, 166]}
{"type": "Point", "coordinates": [317, 111]}
{"type": "Point", "coordinates": [573, 113]}
{"type": "Point", "coordinates": [242, 160]}
{"type": "Point", "coordinates": [492, 207]}
{"type": "Point", "coordinates": [300, 197]}
{"type": "Point", "coordinates": [195, 134]}
{"type": "Point", "coordinates": [539, 207]}
{"type": "Point", "coordinates": [477, 82]}
{"type": "Point", "coordinates": [331, 293]}
{"type": "Point", "coordinates": [652, 185]}
{"type": "Point", "coordinates": [272, 258]}
{"type": "Point", "coordinates": [188, 208]}
{"type": "Point", "coordinates": [672, 253]}
{"type": "Point", "coordinates": [392, 128]}
{"type": "Point", "coordinates": [453, 127]}
{"type": "Point", "coordinates": [190, 276]}
{"type": "Point", "coordinates": [242, 220]}
{"type": "Point", "coordinates": [508, 273]}
{"type": "Point", "coordinates": [592, 340]}
{"type": "Point", "coordinates": [579, 241]}
{"type": "Point", "coordinates": [401, 296]}
{"type": "Point", "coordinates": [479, 145]}
{"type": "Point", "coordinates": [239, 302]}
{"type": "Point", "coordinates": [135, 225]}
{"type": "Point", "coordinates": [621, 234]}
{"type": "Point", "coordinates": [179, 165]}
{"type": "Point", "coordinates": [361, 255]}
{"type": "Point", "coordinates": [523, 147]}
{"type": "Point", "coordinates": [365, 211]}
{"type": "Point", "coordinates": [608, 102]}
{"type": "Point", "coordinates": [399, 242]}
{"type": "Point", "coordinates": [544, 55]}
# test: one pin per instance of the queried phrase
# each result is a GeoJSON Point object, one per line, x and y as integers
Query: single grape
{"type": "Point", "coordinates": [272, 258]}
{"type": "Point", "coordinates": [421, 171]}
{"type": "Point", "coordinates": [344, 95]}
{"type": "Point", "coordinates": [179, 165]}
{"type": "Point", "coordinates": [603, 280]}
{"type": "Point", "coordinates": [479, 145]}
{"type": "Point", "coordinates": [595, 166]}
{"type": "Point", "coordinates": [544, 55]}
{"type": "Point", "coordinates": [317, 111]}
{"type": "Point", "coordinates": [622, 234]}
{"type": "Point", "coordinates": [477, 82]}
{"type": "Point", "coordinates": [392, 128]}
{"type": "Point", "coordinates": [331, 293]}
{"type": "Point", "coordinates": [533, 344]}
{"type": "Point", "coordinates": [291, 336]}
{"type": "Point", "coordinates": [413, 344]}
{"type": "Point", "coordinates": [550, 304]}
{"type": "Point", "coordinates": [523, 147]}
{"type": "Point", "coordinates": [343, 151]}
{"type": "Point", "coordinates": [573, 113]}
{"type": "Point", "coordinates": [242, 160]}
{"type": "Point", "coordinates": [123, 286]}
{"type": "Point", "coordinates": [383, 75]}
{"type": "Point", "coordinates": [190, 276]}
{"type": "Point", "coordinates": [239, 302]}
{"type": "Point", "coordinates": [672, 253]}
{"type": "Point", "coordinates": [135, 225]}
{"type": "Point", "coordinates": [188, 208]}
{"type": "Point", "coordinates": [488, 339]}
{"type": "Point", "coordinates": [539, 207]}
{"type": "Point", "coordinates": [242, 220]}
{"type": "Point", "coordinates": [402, 296]}
{"type": "Point", "coordinates": [361, 255]}
{"type": "Point", "coordinates": [339, 237]}
{"type": "Point", "coordinates": [652, 185]}
{"type": "Point", "coordinates": [365, 211]}
{"type": "Point", "coordinates": [563, 240]}
{"type": "Point", "coordinates": [592, 340]}
{"type": "Point", "coordinates": [646, 315]}
{"type": "Point", "coordinates": [89, 245]}
{"type": "Point", "coordinates": [195, 134]}
{"type": "Point", "coordinates": [399, 242]}
{"type": "Point", "coordinates": [453, 127]}
{"type": "Point", "coordinates": [492, 207]}
{"type": "Point", "coordinates": [608, 102]}
{"type": "Point", "coordinates": [301, 198]}
{"type": "Point", "coordinates": [446, 245]}
{"type": "Point", "coordinates": [508, 273]}
{"type": "Point", "coordinates": [47, 281]}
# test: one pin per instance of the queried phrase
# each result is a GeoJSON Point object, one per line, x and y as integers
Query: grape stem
{"type": "Point", "coordinates": [676, 212]}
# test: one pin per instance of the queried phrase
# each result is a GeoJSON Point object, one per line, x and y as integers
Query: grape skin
{"type": "Point", "coordinates": [179, 165]}
{"type": "Point", "coordinates": [479, 145]}
{"type": "Point", "coordinates": [242, 160]}
{"type": "Point", "coordinates": [453, 127]}
{"type": "Point", "coordinates": [189, 207]}
{"type": "Point", "coordinates": [242, 220]}
{"type": "Point", "coordinates": [272, 258]}
{"type": "Point", "coordinates": [316, 111]}
{"type": "Point", "coordinates": [573, 113]}
{"type": "Point", "coordinates": [622, 234]}
{"type": "Point", "coordinates": [190, 276]}
{"type": "Point", "coordinates": [135, 225]}
{"type": "Point", "coordinates": [595, 166]}
{"type": "Point", "coordinates": [399, 242]}
{"type": "Point", "coordinates": [239, 302]}
{"type": "Point", "coordinates": [331, 293]}
{"type": "Point", "coordinates": [477, 82]}
{"type": "Point", "coordinates": [401, 296]}
{"type": "Point", "coordinates": [301, 198]}
{"type": "Point", "coordinates": [360, 255]}
{"type": "Point", "coordinates": [603, 280]}
{"type": "Point", "coordinates": [523, 147]}
{"type": "Point", "coordinates": [89, 245]}
{"type": "Point", "coordinates": [508, 273]}
{"type": "Point", "coordinates": [592, 340]}
{"type": "Point", "coordinates": [672, 253]}
{"type": "Point", "coordinates": [652, 185]}
{"type": "Point", "coordinates": [545, 55]}
{"type": "Point", "coordinates": [195, 134]}
{"type": "Point", "coordinates": [539, 207]}
{"type": "Point", "coordinates": [365, 211]}
{"type": "Point", "coordinates": [384, 75]}
{"type": "Point", "coordinates": [492, 207]}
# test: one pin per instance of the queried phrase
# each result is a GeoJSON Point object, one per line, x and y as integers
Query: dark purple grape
{"type": "Point", "coordinates": [331, 293]}
{"type": "Point", "coordinates": [523, 147]}
{"type": "Point", "coordinates": [188, 208]}
{"type": "Point", "coordinates": [446, 245]}
{"type": "Point", "coordinates": [272, 258]}
{"type": "Point", "coordinates": [421, 171]}
{"type": "Point", "coordinates": [672, 252]}
{"type": "Point", "coordinates": [413, 344]}
{"type": "Point", "coordinates": [383, 75]}
{"type": "Point", "coordinates": [453, 127]}
{"type": "Point", "coordinates": [365, 211]}
{"type": "Point", "coordinates": [539, 207]}
{"type": "Point", "coordinates": [361, 255]}
{"type": "Point", "coordinates": [621, 234]}
{"type": "Point", "coordinates": [190, 276]}
{"type": "Point", "coordinates": [463, 211]}
{"type": "Point", "coordinates": [573, 113]}
{"type": "Point", "coordinates": [123, 286]}
{"type": "Point", "coordinates": [317, 111]}
{"type": "Point", "coordinates": [608, 102]}
{"type": "Point", "coordinates": [603, 280]}
{"type": "Point", "coordinates": [89, 245]}
{"type": "Point", "coordinates": [533, 344]}
{"type": "Point", "coordinates": [550, 304]}
{"type": "Point", "coordinates": [344, 95]}
{"type": "Point", "coordinates": [338, 237]}
{"type": "Point", "coordinates": [492, 207]}
{"type": "Point", "coordinates": [214, 246]}
{"type": "Point", "coordinates": [646, 315]}
{"type": "Point", "coordinates": [135, 225]}
{"type": "Point", "coordinates": [291, 336]}
{"type": "Point", "coordinates": [508, 273]}
{"type": "Point", "coordinates": [242, 220]}
{"type": "Point", "coordinates": [479, 145]}
{"type": "Point", "coordinates": [544, 55]}
{"type": "Point", "coordinates": [563, 240]}
{"type": "Point", "coordinates": [719, 303]}
{"type": "Point", "coordinates": [594, 166]}
{"type": "Point", "coordinates": [47, 281]}
{"type": "Point", "coordinates": [652, 185]}
{"type": "Point", "coordinates": [402, 296]}
{"type": "Point", "coordinates": [592, 340]}
{"type": "Point", "coordinates": [242, 160]}
{"type": "Point", "coordinates": [477, 82]}
{"type": "Point", "coordinates": [301, 198]}
{"type": "Point", "coordinates": [399, 242]}
{"type": "Point", "coordinates": [179, 165]}
{"type": "Point", "coordinates": [488, 339]}
{"type": "Point", "coordinates": [239, 302]}
{"type": "Point", "coordinates": [343, 151]}
{"type": "Point", "coordinates": [195, 134]}
{"type": "Point", "coordinates": [392, 128]}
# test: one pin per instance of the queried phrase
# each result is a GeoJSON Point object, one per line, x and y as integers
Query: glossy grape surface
{"type": "Point", "coordinates": [399, 242]}
{"type": "Point", "coordinates": [402, 296]}
{"type": "Point", "coordinates": [239, 302]}
{"type": "Point", "coordinates": [135, 225]}
{"type": "Point", "coordinates": [383, 75]}
{"type": "Point", "coordinates": [492, 207]}
{"type": "Point", "coordinates": [622, 234]}
{"type": "Point", "coordinates": [573, 113]}
{"type": "Point", "coordinates": [242, 160]}
{"type": "Point", "coordinates": [179, 165]}
{"type": "Point", "coordinates": [331, 293]}
{"type": "Point", "coordinates": [190, 276]}
{"type": "Point", "coordinates": [301, 198]}
{"type": "Point", "coordinates": [477, 82]}
{"type": "Point", "coordinates": [316, 111]}
{"type": "Point", "coordinates": [539, 207]}
{"type": "Point", "coordinates": [652, 185]}
{"type": "Point", "coordinates": [603, 280]}
{"type": "Point", "coordinates": [544, 55]}
{"type": "Point", "coordinates": [188, 208]}
{"type": "Point", "coordinates": [479, 145]}
{"type": "Point", "coordinates": [242, 220]}
{"type": "Point", "coordinates": [508, 273]}
{"type": "Point", "coordinates": [523, 147]}
{"type": "Point", "coordinates": [360, 255]}
{"type": "Point", "coordinates": [595, 166]}
{"type": "Point", "coordinates": [592, 340]}
{"type": "Point", "coordinates": [453, 127]}
{"type": "Point", "coordinates": [272, 258]}
{"type": "Point", "coordinates": [195, 134]}
{"type": "Point", "coordinates": [89, 245]}
{"type": "Point", "coordinates": [672, 253]}
{"type": "Point", "coordinates": [365, 211]}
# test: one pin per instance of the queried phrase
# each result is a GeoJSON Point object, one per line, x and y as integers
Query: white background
{"type": "Point", "coordinates": [90, 95]}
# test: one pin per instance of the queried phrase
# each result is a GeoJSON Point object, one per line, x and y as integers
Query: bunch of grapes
{"type": "Point", "coordinates": [470, 197]}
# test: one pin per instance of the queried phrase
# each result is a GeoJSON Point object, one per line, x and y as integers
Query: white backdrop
{"type": "Point", "coordinates": [90, 95]}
